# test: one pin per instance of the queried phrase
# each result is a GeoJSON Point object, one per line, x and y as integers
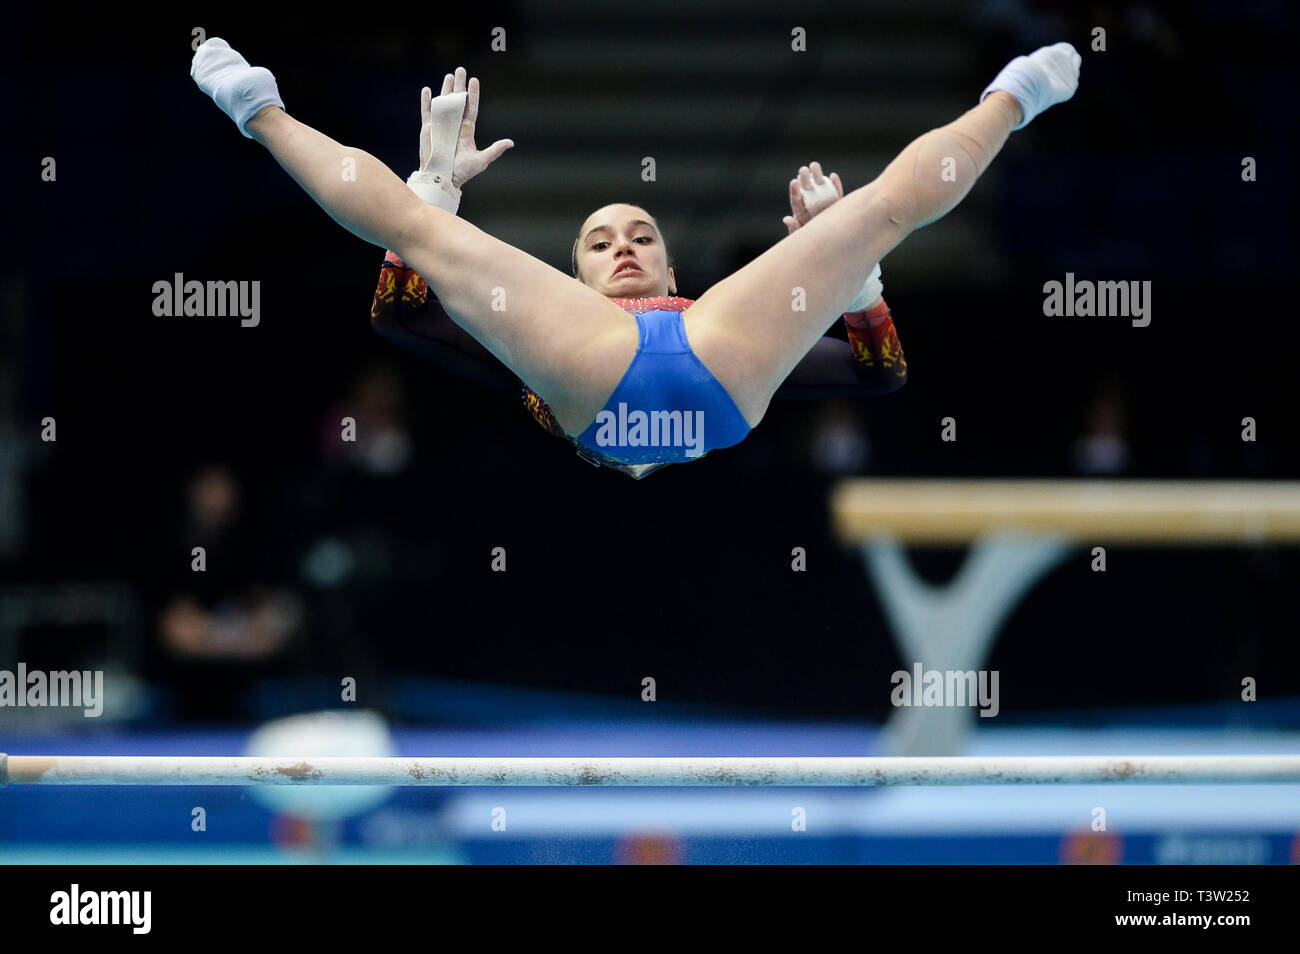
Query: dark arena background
{"type": "Point", "coordinates": [759, 602]}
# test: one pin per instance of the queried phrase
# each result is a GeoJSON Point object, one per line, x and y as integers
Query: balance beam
{"type": "Point", "coordinates": [1085, 511]}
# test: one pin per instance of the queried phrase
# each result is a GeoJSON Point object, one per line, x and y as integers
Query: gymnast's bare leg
{"type": "Point", "coordinates": [568, 342]}
{"type": "Point", "coordinates": [746, 330]}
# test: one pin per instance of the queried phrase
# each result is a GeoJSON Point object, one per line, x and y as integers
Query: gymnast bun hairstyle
{"type": "Point", "coordinates": [573, 255]}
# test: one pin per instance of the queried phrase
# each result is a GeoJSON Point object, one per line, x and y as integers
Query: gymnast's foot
{"type": "Point", "coordinates": [1048, 76]}
{"type": "Point", "coordinates": [242, 91]}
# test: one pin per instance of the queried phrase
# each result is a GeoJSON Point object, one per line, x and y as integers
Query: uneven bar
{"type": "Point", "coordinates": [797, 771]}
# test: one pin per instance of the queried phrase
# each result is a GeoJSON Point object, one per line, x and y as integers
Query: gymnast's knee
{"type": "Point", "coordinates": [943, 171]}
{"type": "Point", "coordinates": [929, 178]}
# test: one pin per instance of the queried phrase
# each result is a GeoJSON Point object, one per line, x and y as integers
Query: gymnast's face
{"type": "Point", "coordinates": [621, 254]}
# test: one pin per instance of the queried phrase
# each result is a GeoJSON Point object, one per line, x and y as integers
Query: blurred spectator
{"type": "Point", "coordinates": [357, 531]}
{"type": "Point", "coordinates": [354, 509]}
{"type": "Point", "coordinates": [1103, 446]}
{"type": "Point", "coordinates": [380, 442]}
{"type": "Point", "coordinates": [839, 442]}
{"type": "Point", "coordinates": [225, 613]}
{"type": "Point", "coordinates": [219, 625]}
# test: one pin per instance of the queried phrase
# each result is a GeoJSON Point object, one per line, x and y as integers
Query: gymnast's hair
{"type": "Point", "coordinates": [573, 256]}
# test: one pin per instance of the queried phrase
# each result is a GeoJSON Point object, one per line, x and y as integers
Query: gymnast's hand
{"type": "Point", "coordinates": [469, 159]}
{"type": "Point", "coordinates": [810, 193]}
{"type": "Point", "coordinates": [813, 192]}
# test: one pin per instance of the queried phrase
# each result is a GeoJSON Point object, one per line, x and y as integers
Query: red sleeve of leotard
{"type": "Point", "coordinates": [875, 341]}
{"type": "Point", "coordinates": [541, 412]}
{"type": "Point", "coordinates": [398, 286]}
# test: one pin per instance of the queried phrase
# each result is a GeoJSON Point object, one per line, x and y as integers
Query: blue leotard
{"type": "Point", "coordinates": [668, 408]}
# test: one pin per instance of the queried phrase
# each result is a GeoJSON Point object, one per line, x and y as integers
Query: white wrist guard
{"type": "Point", "coordinates": [870, 294]}
{"type": "Point", "coordinates": [438, 137]}
{"type": "Point", "coordinates": [435, 189]}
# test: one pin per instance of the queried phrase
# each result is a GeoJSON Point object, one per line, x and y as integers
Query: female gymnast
{"type": "Point", "coordinates": [628, 262]}
{"type": "Point", "coordinates": [631, 379]}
